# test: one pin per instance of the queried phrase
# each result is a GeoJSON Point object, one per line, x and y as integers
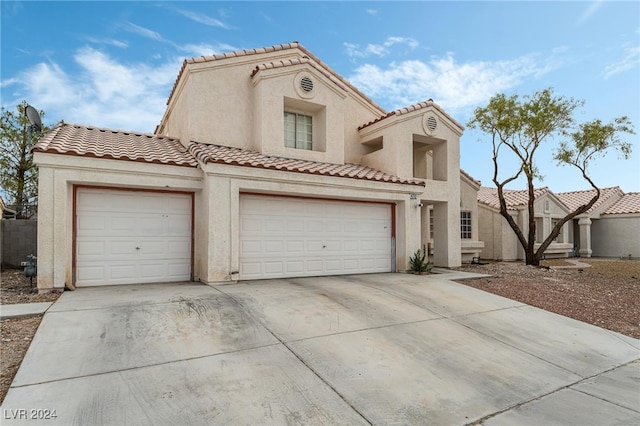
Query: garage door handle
{"type": "Point", "coordinates": [137, 248]}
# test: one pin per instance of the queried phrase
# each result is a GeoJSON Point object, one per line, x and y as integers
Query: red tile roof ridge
{"type": "Point", "coordinates": [411, 108]}
{"type": "Point", "coordinates": [209, 153]}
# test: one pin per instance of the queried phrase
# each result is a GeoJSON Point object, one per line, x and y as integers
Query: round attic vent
{"type": "Point", "coordinates": [429, 123]}
{"type": "Point", "coordinates": [432, 123]}
{"type": "Point", "coordinates": [306, 84]}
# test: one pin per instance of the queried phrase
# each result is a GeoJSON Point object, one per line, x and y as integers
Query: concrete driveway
{"type": "Point", "coordinates": [381, 349]}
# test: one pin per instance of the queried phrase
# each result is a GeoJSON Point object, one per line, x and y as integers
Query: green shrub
{"type": "Point", "coordinates": [417, 261]}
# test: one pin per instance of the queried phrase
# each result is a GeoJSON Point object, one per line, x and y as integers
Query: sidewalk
{"type": "Point", "coordinates": [21, 310]}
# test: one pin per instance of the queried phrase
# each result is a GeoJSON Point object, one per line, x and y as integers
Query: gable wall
{"type": "Point", "coordinates": [219, 102]}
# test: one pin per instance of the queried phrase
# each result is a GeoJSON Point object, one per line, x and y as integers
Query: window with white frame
{"type": "Point", "coordinates": [298, 131]}
{"type": "Point", "coordinates": [465, 225]}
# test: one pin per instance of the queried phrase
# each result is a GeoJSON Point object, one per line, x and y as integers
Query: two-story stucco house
{"type": "Point", "coordinates": [266, 164]}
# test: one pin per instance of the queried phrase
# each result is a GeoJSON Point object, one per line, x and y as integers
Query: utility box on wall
{"type": "Point", "coordinates": [19, 238]}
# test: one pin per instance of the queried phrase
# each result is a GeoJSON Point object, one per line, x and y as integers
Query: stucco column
{"type": "Point", "coordinates": [45, 229]}
{"type": "Point", "coordinates": [408, 230]}
{"type": "Point", "coordinates": [585, 237]}
{"type": "Point", "coordinates": [218, 255]}
{"type": "Point", "coordinates": [446, 235]}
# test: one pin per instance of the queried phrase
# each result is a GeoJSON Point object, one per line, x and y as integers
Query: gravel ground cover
{"type": "Point", "coordinates": [605, 293]}
{"type": "Point", "coordinates": [602, 292]}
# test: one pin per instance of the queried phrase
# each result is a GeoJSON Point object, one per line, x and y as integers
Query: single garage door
{"type": "Point", "coordinates": [291, 237]}
{"type": "Point", "coordinates": [127, 237]}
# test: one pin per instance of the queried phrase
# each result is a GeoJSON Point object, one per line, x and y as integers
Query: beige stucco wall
{"type": "Point", "coordinates": [225, 184]}
{"type": "Point", "coordinates": [216, 208]}
{"type": "Point", "coordinates": [213, 101]}
{"type": "Point", "coordinates": [276, 93]}
{"type": "Point", "coordinates": [397, 138]}
{"type": "Point", "coordinates": [500, 242]}
{"type": "Point", "coordinates": [220, 102]}
{"type": "Point", "coordinates": [57, 176]}
{"type": "Point", "coordinates": [616, 236]}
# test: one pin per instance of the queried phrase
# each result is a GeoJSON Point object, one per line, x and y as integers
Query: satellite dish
{"type": "Point", "coordinates": [34, 118]}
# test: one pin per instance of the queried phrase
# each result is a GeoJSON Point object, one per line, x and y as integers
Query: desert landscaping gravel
{"type": "Point", "coordinates": [605, 293]}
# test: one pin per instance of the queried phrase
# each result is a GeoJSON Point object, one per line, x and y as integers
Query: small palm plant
{"type": "Point", "coordinates": [417, 261]}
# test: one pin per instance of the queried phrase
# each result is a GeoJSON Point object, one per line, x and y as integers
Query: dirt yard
{"type": "Point", "coordinates": [16, 334]}
{"type": "Point", "coordinates": [606, 294]}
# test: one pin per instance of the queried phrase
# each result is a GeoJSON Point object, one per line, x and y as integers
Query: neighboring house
{"type": "Point", "coordinates": [266, 164]}
{"type": "Point", "coordinates": [610, 228]}
{"type": "Point", "coordinates": [501, 243]}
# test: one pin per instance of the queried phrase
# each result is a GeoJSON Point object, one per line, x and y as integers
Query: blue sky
{"type": "Point", "coordinates": [112, 64]}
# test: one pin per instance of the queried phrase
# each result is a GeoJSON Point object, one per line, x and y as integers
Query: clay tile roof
{"type": "Point", "coordinates": [241, 157]}
{"type": "Point", "coordinates": [575, 199]}
{"type": "Point", "coordinates": [629, 203]}
{"type": "Point", "coordinates": [74, 139]}
{"type": "Point", "coordinates": [411, 108]}
{"type": "Point", "coordinates": [514, 198]}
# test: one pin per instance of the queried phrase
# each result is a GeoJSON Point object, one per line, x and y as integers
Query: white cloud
{"type": "Point", "coordinates": [144, 32]}
{"type": "Point", "coordinates": [109, 41]}
{"type": "Point", "coordinates": [589, 11]}
{"type": "Point", "coordinates": [372, 11]}
{"type": "Point", "coordinates": [631, 60]}
{"type": "Point", "coordinates": [452, 85]}
{"type": "Point", "coordinates": [353, 50]}
{"type": "Point", "coordinates": [105, 93]}
{"type": "Point", "coordinates": [380, 50]}
{"type": "Point", "coordinates": [202, 18]}
{"type": "Point", "coordinates": [205, 49]}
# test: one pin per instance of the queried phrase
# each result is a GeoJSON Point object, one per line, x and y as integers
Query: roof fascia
{"type": "Point", "coordinates": [374, 129]}
{"type": "Point", "coordinates": [293, 69]}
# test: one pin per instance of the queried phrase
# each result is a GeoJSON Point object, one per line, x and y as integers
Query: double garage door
{"type": "Point", "coordinates": [125, 237]}
{"type": "Point", "coordinates": [294, 237]}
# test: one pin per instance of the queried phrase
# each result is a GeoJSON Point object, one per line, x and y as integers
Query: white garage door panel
{"type": "Point", "coordinates": [125, 237]}
{"type": "Point", "coordinates": [283, 237]}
